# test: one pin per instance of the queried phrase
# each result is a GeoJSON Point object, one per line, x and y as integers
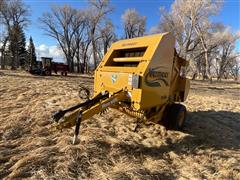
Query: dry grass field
{"type": "Point", "coordinates": [30, 146]}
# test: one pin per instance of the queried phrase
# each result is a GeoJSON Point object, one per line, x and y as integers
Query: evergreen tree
{"type": "Point", "coordinates": [31, 59]}
{"type": "Point", "coordinates": [17, 46]}
{"type": "Point", "coordinates": [22, 53]}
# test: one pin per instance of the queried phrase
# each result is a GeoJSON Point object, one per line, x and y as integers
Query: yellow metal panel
{"type": "Point", "coordinates": [156, 81]}
{"type": "Point", "coordinates": [119, 69]}
{"type": "Point", "coordinates": [136, 98]}
{"type": "Point", "coordinates": [154, 69]}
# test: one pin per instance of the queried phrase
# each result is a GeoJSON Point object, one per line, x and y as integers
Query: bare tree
{"type": "Point", "coordinates": [225, 57]}
{"type": "Point", "coordinates": [206, 39]}
{"type": "Point", "coordinates": [181, 24]}
{"type": "Point", "coordinates": [234, 67]}
{"type": "Point", "coordinates": [134, 24]}
{"type": "Point", "coordinates": [96, 13]}
{"type": "Point", "coordinates": [13, 13]}
{"type": "Point", "coordinates": [85, 43]}
{"type": "Point", "coordinates": [107, 35]}
{"type": "Point", "coordinates": [203, 57]}
{"type": "Point", "coordinates": [189, 21]}
{"type": "Point", "coordinates": [3, 43]}
{"type": "Point", "coordinates": [61, 24]}
{"type": "Point", "coordinates": [79, 39]}
{"type": "Point", "coordinates": [203, 10]}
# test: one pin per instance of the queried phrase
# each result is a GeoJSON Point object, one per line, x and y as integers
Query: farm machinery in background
{"type": "Point", "coordinates": [46, 66]}
{"type": "Point", "coordinates": [142, 77]}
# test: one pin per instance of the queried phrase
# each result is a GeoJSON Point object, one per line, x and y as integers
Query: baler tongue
{"type": "Point", "coordinates": [58, 115]}
{"type": "Point", "coordinates": [87, 109]}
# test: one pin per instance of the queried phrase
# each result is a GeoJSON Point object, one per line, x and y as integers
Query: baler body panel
{"type": "Point", "coordinates": [150, 58]}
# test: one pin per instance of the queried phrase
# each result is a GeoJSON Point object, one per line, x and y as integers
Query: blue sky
{"type": "Point", "coordinates": [229, 15]}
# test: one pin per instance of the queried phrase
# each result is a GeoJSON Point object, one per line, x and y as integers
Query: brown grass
{"type": "Point", "coordinates": [208, 148]}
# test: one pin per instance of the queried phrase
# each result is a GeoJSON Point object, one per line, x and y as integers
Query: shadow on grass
{"type": "Point", "coordinates": [206, 130]}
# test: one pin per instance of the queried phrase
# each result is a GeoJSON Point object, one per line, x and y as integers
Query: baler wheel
{"type": "Point", "coordinates": [175, 118]}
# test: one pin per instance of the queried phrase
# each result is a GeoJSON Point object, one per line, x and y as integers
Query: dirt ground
{"type": "Point", "coordinates": [208, 147]}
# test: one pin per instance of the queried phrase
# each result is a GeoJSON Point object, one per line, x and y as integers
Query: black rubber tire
{"type": "Point", "coordinates": [175, 117]}
{"type": "Point", "coordinates": [47, 73]}
{"type": "Point", "coordinates": [65, 73]}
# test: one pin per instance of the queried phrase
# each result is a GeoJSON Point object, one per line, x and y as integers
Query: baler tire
{"type": "Point", "coordinates": [176, 116]}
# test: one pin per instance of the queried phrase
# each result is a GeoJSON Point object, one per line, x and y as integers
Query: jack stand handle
{"type": "Point", "coordinates": [77, 127]}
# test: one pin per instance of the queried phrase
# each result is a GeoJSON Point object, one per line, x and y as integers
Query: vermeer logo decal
{"type": "Point", "coordinates": [155, 77]}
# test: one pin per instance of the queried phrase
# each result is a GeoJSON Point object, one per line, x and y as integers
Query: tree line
{"type": "Point", "coordinates": [84, 35]}
{"type": "Point", "coordinates": [13, 19]}
{"type": "Point", "coordinates": [209, 46]}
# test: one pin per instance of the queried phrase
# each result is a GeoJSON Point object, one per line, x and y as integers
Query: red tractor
{"type": "Point", "coordinates": [46, 66]}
